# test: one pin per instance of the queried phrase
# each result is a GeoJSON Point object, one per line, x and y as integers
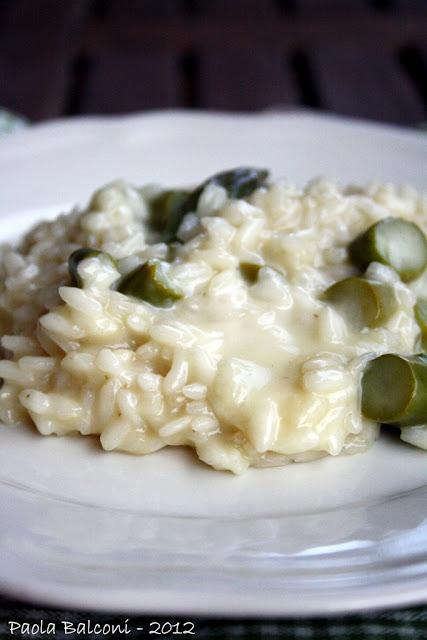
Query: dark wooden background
{"type": "Point", "coordinates": [364, 58]}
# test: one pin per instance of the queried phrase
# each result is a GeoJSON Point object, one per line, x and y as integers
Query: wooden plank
{"type": "Point", "coordinates": [412, 5]}
{"type": "Point", "coordinates": [321, 7]}
{"type": "Point", "coordinates": [4, 8]}
{"type": "Point", "coordinates": [126, 81]}
{"type": "Point", "coordinates": [233, 8]}
{"type": "Point", "coordinates": [27, 14]}
{"type": "Point", "coordinates": [422, 52]}
{"type": "Point", "coordinates": [140, 8]}
{"type": "Point", "coordinates": [419, 71]}
{"type": "Point", "coordinates": [365, 83]}
{"type": "Point", "coordinates": [241, 80]}
{"type": "Point", "coordinates": [367, 29]}
{"type": "Point", "coordinates": [37, 42]}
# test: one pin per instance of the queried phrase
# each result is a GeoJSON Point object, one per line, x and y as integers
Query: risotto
{"type": "Point", "coordinates": [252, 321]}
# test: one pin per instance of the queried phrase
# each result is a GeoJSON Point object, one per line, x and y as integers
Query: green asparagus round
{"type": "Point", "coordinates": [150, 282]}
{"type": "Point", "coordinates": [362, 302]}
{"type": "Point", "coordinates": [395, 242]}
{"type": "Point", "coordinates": [394, 390]}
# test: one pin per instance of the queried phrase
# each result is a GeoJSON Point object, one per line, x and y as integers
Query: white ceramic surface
{"type": "Point", "coordinates": [163, 533]}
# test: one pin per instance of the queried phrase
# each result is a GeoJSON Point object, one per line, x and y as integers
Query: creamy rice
{"type": "Point", "coordinates": [246, 374]}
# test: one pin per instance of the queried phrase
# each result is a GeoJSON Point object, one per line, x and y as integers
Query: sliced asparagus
{"type": "Point", "coordinates": [249, 271]}
{"type": "Point", "coordinates": [362, 302]}
{"type": "Point", "coordinates": [167, 211]}
{"type": "Point", "coordinates": [83, 254]}
{"type": "Point", "coordinates": [150, 282]}
{"type": "Point", "coordinates": [169, 207]}
{"type": "Point", "coordinates": [394, 242]}
{"type": "Point", "coordinates": [238, 183]}
{"type": "Point", "coordinates": [394, 390]}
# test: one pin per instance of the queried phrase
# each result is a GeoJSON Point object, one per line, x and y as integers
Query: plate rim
{"type": "Point", "coordinates": [129, 119]}
{"type": "Point", "coordinates": [151, 602]}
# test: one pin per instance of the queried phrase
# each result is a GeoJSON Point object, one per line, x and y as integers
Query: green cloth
{"type": "Point", "coordinates": [10, 122]}
{"type": "Point", "coordinates": [402, 624]}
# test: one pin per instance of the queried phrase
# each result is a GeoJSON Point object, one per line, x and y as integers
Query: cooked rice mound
{"type": "Point", "coordinates": [247, 374]}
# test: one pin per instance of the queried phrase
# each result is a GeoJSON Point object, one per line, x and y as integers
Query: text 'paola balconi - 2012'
{"type": "Point", "coordinates": [83, 628]}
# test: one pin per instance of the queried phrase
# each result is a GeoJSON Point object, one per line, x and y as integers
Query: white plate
{"type": "Point", "coordinates": [163, 533]}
